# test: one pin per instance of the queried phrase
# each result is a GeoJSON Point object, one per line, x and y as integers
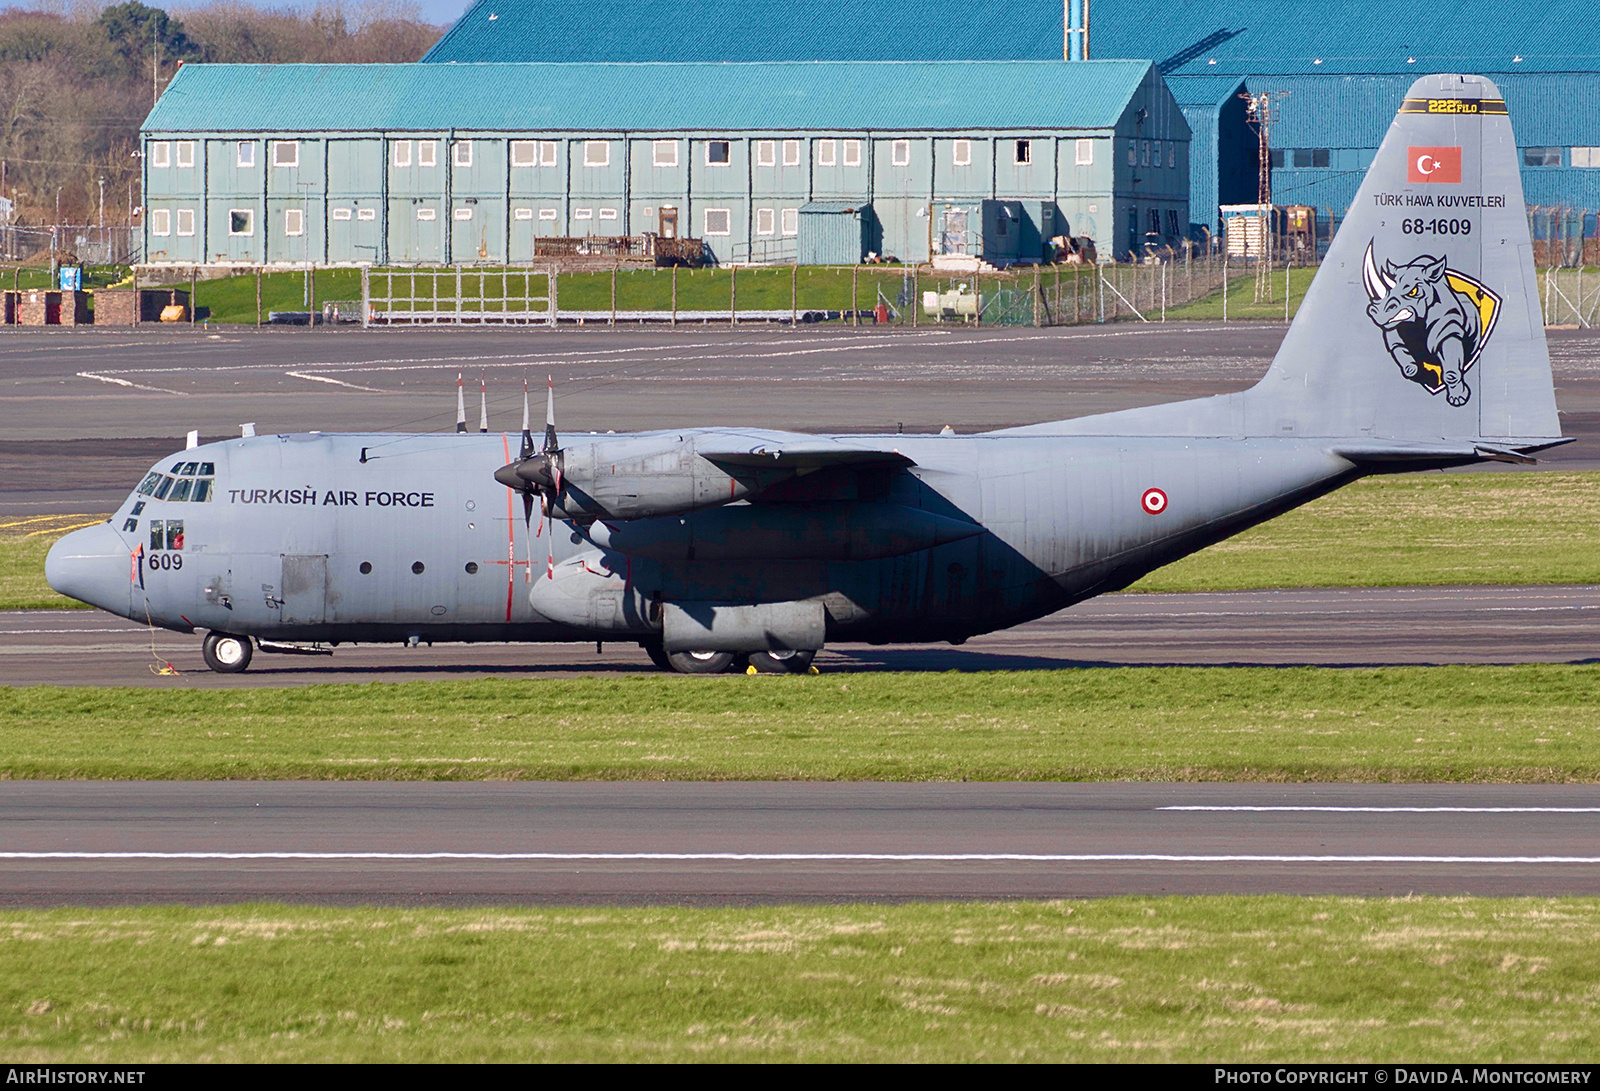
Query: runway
{"type": "Point", "coordinates": [1330, 627]}
{"type": "Point", "coordinates": [89, 411]}
{"type": "Point", "coordinates": [101, 843]}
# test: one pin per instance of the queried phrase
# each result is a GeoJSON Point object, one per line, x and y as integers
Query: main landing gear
{"type": "Point", "coordinates": [226, 653]}
{"type": "Point", "coordinates": [785, 662]}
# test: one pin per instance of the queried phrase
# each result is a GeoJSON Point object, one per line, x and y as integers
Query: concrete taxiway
{"type": "Point", "coordinates": [97, 843]}
{"type": "Point", "coordinates": [1330, 626]}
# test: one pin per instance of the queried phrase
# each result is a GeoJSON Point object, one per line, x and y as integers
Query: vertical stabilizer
{"type": "Point", "coordinates": [1423, 321]}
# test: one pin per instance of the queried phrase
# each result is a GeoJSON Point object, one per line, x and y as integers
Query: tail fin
{"type": "Point", "coordinates": [1423, 322]}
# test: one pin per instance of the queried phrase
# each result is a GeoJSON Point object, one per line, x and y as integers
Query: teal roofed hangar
{"type": "Point", "coordinates": [471, 163]}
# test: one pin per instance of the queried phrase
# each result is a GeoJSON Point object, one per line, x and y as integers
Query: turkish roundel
{"type": "Point", "coordinates": [1433, 164]}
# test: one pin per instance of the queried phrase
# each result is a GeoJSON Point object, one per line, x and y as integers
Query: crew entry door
{"type": "Point", "coordinates": [304, 588]}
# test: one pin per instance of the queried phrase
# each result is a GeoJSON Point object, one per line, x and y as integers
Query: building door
{"type": "Point", "coordinates": [953, 239]}
{"type": "Point", "coordinates": [669, 222]}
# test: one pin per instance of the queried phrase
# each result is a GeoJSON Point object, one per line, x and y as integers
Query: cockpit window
{"type": "Point", "coordinates": [185, 485]}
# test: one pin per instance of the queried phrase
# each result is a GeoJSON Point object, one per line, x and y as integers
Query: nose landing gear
{"type": "Point", "coordinates": [226, 653]}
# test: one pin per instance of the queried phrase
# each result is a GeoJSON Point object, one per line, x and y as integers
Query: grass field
{"type": "Point", "coordinates": [1522, 724]}
{"type": "Point", "coordinates": [1120, 979]}
{"type": "Point", "coordinates": [1241, 299]}
{"type": "Point", "coordinates": [1416, 530]}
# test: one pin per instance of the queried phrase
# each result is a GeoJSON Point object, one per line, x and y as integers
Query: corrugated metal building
{"type": "Point", "coordinates": [464, 163]}
{"type": "Point", "coordinates": [1346, 66]}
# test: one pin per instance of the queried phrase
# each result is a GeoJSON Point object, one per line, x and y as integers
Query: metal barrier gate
{"type": "Point", "coordinates": [457, 295]}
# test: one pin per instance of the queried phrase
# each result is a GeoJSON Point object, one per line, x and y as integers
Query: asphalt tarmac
{"type": "Point", "coordinates": [88, 411]}
{"type": "Point", "coordinates": [452, 844]}
{"type": "Point", "coordinates": [1331, 627]}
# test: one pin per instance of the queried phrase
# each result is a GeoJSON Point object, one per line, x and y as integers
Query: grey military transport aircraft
{"type": "Point", "coordinates": [1419, 346]}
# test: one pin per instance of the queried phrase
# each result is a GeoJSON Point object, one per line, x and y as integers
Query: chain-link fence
{"type": "Point", "coordinates": [71, 244]}
{"type": "Point", "coordinates": [1564, 237]}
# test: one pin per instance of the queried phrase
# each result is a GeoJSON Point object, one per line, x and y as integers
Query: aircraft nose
{"type": "Point", "coordinates": [91, 565]}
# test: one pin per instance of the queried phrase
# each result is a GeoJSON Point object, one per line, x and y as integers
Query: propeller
{"type": "Point", "coordinates": [483, 403]}
{"type": "Point", "coordinates": [537, 473]}
{"type": "Point", "coordinates": [461, 405]}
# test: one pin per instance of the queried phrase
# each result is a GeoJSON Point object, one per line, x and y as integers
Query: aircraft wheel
{"type": "Point", "coordinates": [226, 653]}
{"type": "Point", "coordinates": [658, 654]}
{"type": "Point", "coordinates": [700, 662]}
{"type": "Point", "coordinates": [790, 662]}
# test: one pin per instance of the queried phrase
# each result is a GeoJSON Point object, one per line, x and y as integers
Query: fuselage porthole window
{"type": "Point", "coordinates": [366, 568]}
{"type": "Point", "coordinates": [472, 568]}
{"type": "Point", "coordinates": [417, 567]}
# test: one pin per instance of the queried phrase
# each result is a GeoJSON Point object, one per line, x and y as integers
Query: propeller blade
{"type": "Point", "coordinates": [527, 435]}
{"type": "Point", "coordinates": [551, 443]}
{"type": "Point", "coordinates": [483, 403]}
{"type": "Point", "coordinates": [527, 509]}
{"type": "Point", "coordinates": [461, 405]}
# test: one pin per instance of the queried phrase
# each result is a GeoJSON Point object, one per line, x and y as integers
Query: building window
{"type": "Point", "coordinates": [427, 215]}
{"type": "Point", "coordinates": [766, 153]}
{"type": "Point", "coordinates": [1586, 157]}
{"type": "Point", "coordinates": [160, 153]}
{"type": "Point", "coordinates": [427, 153]}
{"type": "Point", "coordinates": [523, 214]}
{"type": "Point", "coordinates": [185, 221]}
{"type": "Point", "coordinates": [583, 214]}
{"type": "Point", "coordinates": [1172, 222]}
{"type": "Point", "coordinates": [719, 153]}
{"type": "Point", "coordinates": [524, 153]}
{"type": "Point", "coordinates": [241, 221]}
{"type": "Point", "coordinates": [1172, 153]}
{"type": "Point", "coordinates": [1531, 157]}
{"type": "Point", "coordinates": [462, 151]}
{"type": "Point", "coordinates": [664, 153]}
{"type": "Point", "coordinates": [161, 221]}
{"type": "Point", "coordinates": [719, 221]}
{"type": "Point", "coordinates": [1275, 158]}
{"type": "Point", "coordinates": [1310, 157]}
{"type": "Point", "coordinates": [547, 214]}
{"type": "Point", "coordinates": [286, 153]}
{"type": "Point", "coordinates": [791, 153]}
{"type": "Point", "coordinates": [247, 153]}
{"type": "Point", "coordinates": [1155, 221]}
{"type": "Point", "coordinates": [1083, 152]}
{"type": "Point", "coordinates": [791, 221]}
{"type": "Point", "coordinates": [366, 214]}
{"type": "Point", "coordinates": [1144, 153]}
{"type": "Point", "coordinates": [547, 153]}
{"type": "Point", "coordinates": [596, 153]}
{"type": "Point", "coordinates": [961, 153]}
{"type": "Point", "coordinates": [294, 221]}
{"type": "Point", "coordinates": [900, 153]}
{"type": "Point", "coordinates": [402, 153]}
{"type": "Point", "coordinates": [608, 213]}
{"type": "Point", "coordinates": [1024, 152]}
{"type": "Point", "coordinates": [852, 153]}
{"type": "Point", "coordinates": [339, 214]}
{"type": "Point", "coordinates": [185, 153]}
{"type": "Point", "coordinates": [827, 153]}
{"type": "Point", "coordinates": [763, 221]}
{"type": "Point", "coordinates": [463, 213]}
{"type": "Point", "coordinates": [1133, 153]}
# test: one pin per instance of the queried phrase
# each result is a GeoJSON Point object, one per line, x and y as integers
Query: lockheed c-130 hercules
{"type": "Point", "coordinates": [1418, 346]}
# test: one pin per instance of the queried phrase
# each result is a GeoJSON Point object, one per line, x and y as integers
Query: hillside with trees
{"type": "Point", "coordinates": [77, 81]}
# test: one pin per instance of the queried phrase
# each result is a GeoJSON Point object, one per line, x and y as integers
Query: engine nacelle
{"type": "Point", "coordinates": [855, 531]}
{"type": "Point", "coordinates": [649, 476]}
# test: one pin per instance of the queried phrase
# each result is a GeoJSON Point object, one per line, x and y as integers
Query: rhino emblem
{"type": "Point", "coordinates": [1435, 320]}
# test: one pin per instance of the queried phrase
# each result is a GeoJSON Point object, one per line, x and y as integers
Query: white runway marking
{"type": "Point", "coordinates": [334, 382]}
{"type": "Point", "coordinates": [816, 857]}
{"type": "Point", "coordinates": [1394, 810]}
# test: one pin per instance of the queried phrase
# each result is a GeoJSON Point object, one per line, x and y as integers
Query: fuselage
{"type": "Point", "coordinates": [397, 537]}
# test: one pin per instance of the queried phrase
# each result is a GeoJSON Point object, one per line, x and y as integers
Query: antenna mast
{"type": "Point", "coordinates": [1261, 110]}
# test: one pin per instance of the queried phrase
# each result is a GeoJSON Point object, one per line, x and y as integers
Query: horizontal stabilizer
{"type": "Point", "coordinates": [1400, 452]}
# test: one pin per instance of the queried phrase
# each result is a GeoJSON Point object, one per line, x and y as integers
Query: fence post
{"type": "Point", "coordinates": [192, 307]}
{"type": "Point", "coordinates": [613, 295]}
{"type": "Point", "coordinates": [258, 293]}
{"type": "Point", "coordinates": [1036, 298]}
{"type": "Point", "coordinates": [916, 298]}
{"type": "Point", "coordinates": [674, 293]}
{"type": "Point", "coordinates": [855, 281]}
{"type": "Point", "coordinates": [366, 297]}
{"type": "Point", "coordinates": [733, 295]}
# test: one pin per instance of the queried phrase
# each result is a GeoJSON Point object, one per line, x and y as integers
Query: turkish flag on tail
{"type": "Point", "coordinates": [1433, 165]}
